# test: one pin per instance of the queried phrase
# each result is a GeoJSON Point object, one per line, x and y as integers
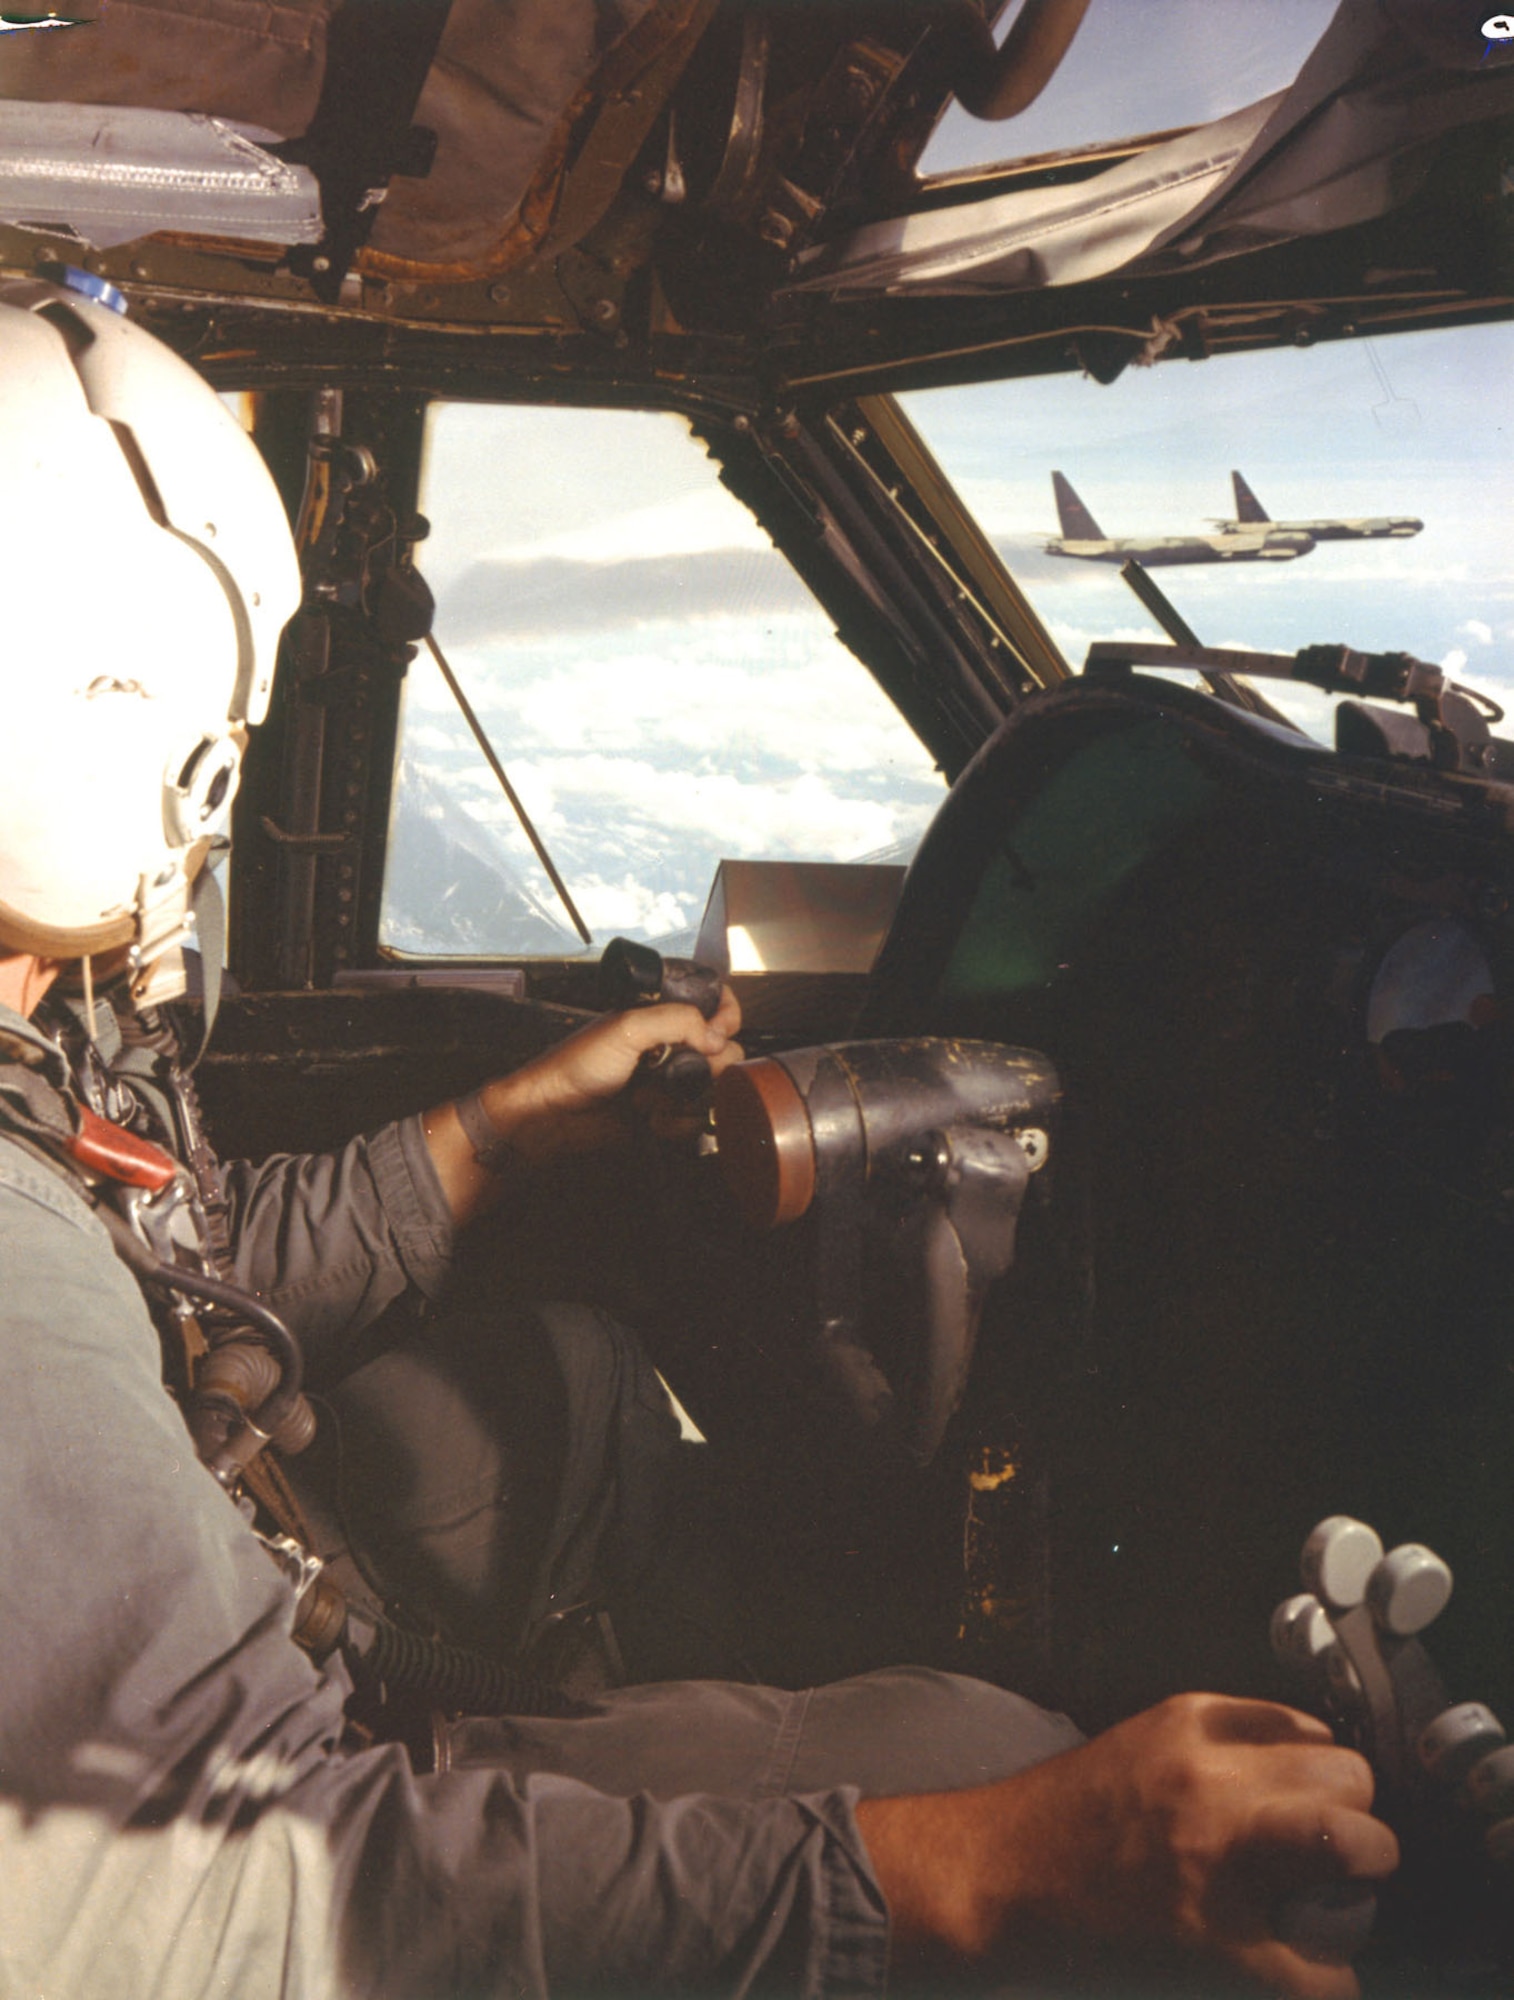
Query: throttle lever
{"type": "Point", "coordinates": [637, 975]}
{"type": "Point", "coordinates": [1354, 1634]}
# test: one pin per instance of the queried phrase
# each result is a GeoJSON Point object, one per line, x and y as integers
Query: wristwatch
{"type": "Point", "coordinates": [493, 1151]}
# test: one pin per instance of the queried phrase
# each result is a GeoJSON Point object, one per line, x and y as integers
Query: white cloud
{"type": "Point", "coordinates": [511, 483]}
{"type": "Point", "coordinates": [1489, 682]}
{"type": "Point", "coordinates": [811, 715]}
{"type": "Point", "coordinates": [644, 755]}
{"type": "Point", "coordinates": [1455, 661]}
{"type": "Point", "coordinates": [427, 736]}
{"type": "Point", "coordinates": [1075, 640]}
{"type": "Point", "coordinates": [687, 525]}
{"type": "Point", "coordinates": [671, 812]}
{"type": "Point", "coordinates": [795, 816]}
{"type": "Point", "coordinates": [1476, 629]}
{"type": "Point", "coordinates": [733, 691]}
{"type": "Point", "coordinates": [629, 905]}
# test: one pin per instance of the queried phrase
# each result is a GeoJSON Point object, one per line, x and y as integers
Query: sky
{"type": "Point", "coordinates": [663, 691]}
{"type": "Point", "coordinates": [1412, 424]}
{"type": "Point", "coordinates": [1144, 66]}
{"type": "Point", "coordinates": [1418, 424]}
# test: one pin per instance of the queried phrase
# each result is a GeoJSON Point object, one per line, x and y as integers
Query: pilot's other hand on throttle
{"type": "Point", "coordinates": [571, 1098]}
{"type": "Point", "coordinates": [1172, 1843]}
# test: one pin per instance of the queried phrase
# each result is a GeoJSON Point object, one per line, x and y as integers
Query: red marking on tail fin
{"type": "Point", "coordinates": [1078, 525]}
{"type": "Point", "coordinates": [1247, 506]}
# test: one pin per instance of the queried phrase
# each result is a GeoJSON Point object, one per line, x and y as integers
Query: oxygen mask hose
{"type": "Point", "coordinates": [451, 1677]}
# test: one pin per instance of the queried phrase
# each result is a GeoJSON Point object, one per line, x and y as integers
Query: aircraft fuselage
{"type": "Point", "coordinates": [1247, 546]}
{"type": "Point", "coordinates": [1376, 529]}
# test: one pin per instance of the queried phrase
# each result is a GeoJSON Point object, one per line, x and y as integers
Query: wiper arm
{"type": "Point", "coordinates": [1224, 686]}
{"type": "Point", "coordinates": [517, 806]}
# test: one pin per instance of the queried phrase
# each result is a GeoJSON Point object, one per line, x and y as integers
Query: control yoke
{"type": "Point", "coordinates": [915, 1153]}
{"type": "Point", "coordinates": [637, 975]}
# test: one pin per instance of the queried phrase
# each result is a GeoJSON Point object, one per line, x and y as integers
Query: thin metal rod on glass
{"type": "Point", "coordinates": [509, 790]}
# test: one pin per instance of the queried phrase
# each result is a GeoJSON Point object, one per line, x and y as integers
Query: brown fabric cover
{"type": "Point", "coordinates": [506, 74]}
{"type": "Point", "coordinates": [257, 61]}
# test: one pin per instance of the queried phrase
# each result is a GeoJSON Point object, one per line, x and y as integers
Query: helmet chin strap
{"type": "Point", "coordinates": [180, 910]}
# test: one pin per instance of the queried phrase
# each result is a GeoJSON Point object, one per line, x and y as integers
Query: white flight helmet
{"type": "Point", "coordinates": [146, 570]}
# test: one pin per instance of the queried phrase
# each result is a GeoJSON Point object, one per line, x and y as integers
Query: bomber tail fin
{"type": "Point", "coordinates": [1247, 506]}
{"type": "Point", "coordinates": [1078, 525]}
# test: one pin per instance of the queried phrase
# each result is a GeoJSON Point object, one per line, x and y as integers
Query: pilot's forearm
{"type": "Point", "coordinates": [569, 1100]}
{"type": "Point", "coordinates": [470, 1187]}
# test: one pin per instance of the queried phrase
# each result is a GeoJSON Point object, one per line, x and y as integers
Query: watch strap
{"type": "Point", "coordinates": [492, 1150]}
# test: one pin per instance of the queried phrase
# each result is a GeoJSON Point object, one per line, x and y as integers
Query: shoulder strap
{"type": "Point", "coordinates": [35, 1102]}
{"type": "Point", "coordinates": [209, 908]}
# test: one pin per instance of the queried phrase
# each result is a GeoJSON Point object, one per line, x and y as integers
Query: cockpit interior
{"type": "Point", "coordinates": [665, 393]}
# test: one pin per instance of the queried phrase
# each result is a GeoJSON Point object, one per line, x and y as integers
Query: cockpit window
{"type": "Point", "coordinates": [660, 688]}
{"type": "Point", "coordinates": [1146, 68]}
{"type": "Point", "coordinates": [1400, 442]}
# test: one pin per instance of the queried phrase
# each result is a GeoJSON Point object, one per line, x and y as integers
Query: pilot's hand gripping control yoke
{"type": "Point", "coordinates": [636, 975]}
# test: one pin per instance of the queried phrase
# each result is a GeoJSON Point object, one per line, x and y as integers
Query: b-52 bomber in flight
{"type": "Point", "coordinates": [1250, 515]}
{"type": "Point", "coordinates": [1082, 537]}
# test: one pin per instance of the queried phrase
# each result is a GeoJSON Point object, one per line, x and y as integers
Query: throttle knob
{"type": "Point", "coordinates": [1408, 1589]}
{"type": "Point", "coordinates": [1457, 1739]}
{"type": "Point", "coordinates": [1338, 1558]}
{"type": "Point", "coordinates": [1301, 1631]}
{"type": "Point", "coordinates": [1490, 1782]}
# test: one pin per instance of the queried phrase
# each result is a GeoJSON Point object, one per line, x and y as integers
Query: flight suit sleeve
{"type": "Point", "coordinates": [330, 1239]}
{"type": "Point", "coordinates": [178, 1815]}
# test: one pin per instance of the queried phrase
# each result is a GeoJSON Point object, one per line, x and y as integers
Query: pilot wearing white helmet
{"type": "Point", "coordinates": [148, 574]}
{"type": "Point", "coordinates": [182, 1807]}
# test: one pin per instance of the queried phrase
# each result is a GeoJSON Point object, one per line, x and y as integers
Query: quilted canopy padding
{"type": "Point", "coordinates": [507, 74]}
